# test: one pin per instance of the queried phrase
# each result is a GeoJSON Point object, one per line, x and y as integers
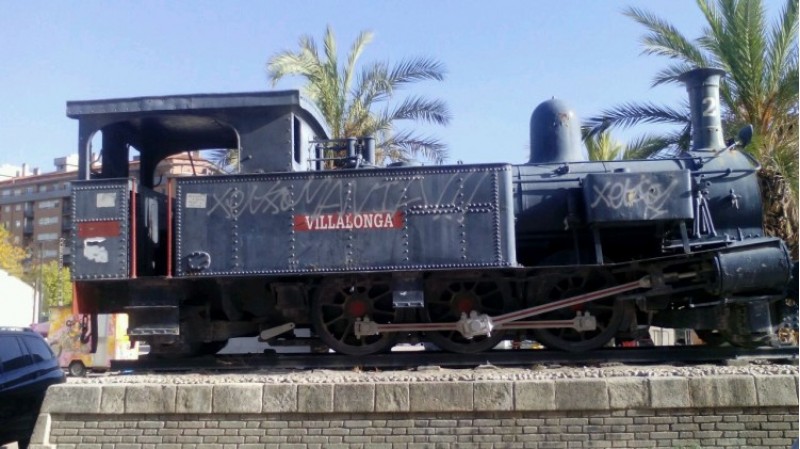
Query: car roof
{"type": "Point", "coordinates": [17, 330]}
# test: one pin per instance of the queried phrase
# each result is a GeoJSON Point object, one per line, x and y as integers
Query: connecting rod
{"type": "Point", "coordinates": [481, 324]}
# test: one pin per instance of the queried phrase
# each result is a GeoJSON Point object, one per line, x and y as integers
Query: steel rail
{"type": "Point", "coordinates": [500, 358]}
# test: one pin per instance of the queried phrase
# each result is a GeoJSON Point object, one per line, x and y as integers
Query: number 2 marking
{"type": "Point", "coordinates": [709, 106]}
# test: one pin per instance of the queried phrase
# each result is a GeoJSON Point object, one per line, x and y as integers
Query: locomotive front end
{"type": "Point", "coordinates": [699, 213]}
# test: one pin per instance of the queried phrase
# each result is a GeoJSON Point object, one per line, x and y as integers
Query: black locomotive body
{"type": "Point", "coordinates": [311, 234]}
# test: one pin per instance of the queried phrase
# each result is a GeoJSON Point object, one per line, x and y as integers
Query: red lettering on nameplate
{"type": "Point", "coordinates": [334, 222]}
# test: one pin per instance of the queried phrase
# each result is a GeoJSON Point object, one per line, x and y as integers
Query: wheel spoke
{"type": "Point", "coordinates": [333, 306]}
{"type": "Point", "coordinates": [346, 332]}
{"type": "Point", "coordinates": [339, 318]}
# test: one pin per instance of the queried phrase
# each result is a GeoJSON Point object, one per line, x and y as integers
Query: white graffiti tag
{"type": "Point", "coordinates": [646, 194]}
{"type": "Point", "coordinates": [317, 197]}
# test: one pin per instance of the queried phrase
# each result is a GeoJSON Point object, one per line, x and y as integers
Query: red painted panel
{"type": "Point", "coordinates": [108, 228]}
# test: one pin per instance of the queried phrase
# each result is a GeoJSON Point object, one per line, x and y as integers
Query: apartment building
{"type": "Point", "coordinates": [36, 207]}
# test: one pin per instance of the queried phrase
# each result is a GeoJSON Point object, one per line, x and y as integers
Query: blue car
{"type": "Point", "coordinates": [27, 368]}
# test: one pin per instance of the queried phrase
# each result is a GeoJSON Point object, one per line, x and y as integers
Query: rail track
{"type": "Point", "coordinates": [504, 358]}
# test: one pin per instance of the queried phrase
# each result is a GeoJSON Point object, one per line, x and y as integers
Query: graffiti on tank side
{"type": "Point", "coordinates": [627, 193]}
{"type": "Point", "coordinates": [337, 195]}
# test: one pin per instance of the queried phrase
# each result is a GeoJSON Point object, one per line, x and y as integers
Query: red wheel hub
{"type": "Point", "coordinates": [356, 308]}
{"type": "Point", "coordinates": [464, 304]}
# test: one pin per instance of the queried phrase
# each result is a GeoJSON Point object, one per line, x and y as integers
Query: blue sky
{"type": "Point", "coordinates": [502, 58]}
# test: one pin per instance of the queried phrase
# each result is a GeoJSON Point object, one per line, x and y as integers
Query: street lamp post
{"type": "Point", "coordinates": [38, 289]}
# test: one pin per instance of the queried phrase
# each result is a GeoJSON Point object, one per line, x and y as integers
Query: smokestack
{"type": "Point", "coordinates": [703, 88]}
{"type": "Point", "coordinates": [369, 149]}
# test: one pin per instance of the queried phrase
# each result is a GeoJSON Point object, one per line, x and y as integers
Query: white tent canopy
{"type": "Point", "coordinates": [16, 301]}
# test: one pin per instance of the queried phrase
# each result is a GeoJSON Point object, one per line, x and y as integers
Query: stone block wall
{"type": "Point", "coordinates": [672, 412]}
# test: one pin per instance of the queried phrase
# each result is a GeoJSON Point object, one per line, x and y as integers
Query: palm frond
{"type": "Point", "coordinates": [415, 70]}
{"type": "Point", "coordinates": [422, 109]}
{"type": "Point", "coordinates": [664, 39]}
{"type": "Point", "coordinates": [406, 143]}
{"type": "Point", "coordinates": [329, 42]}
{"type": "Point", "coordinates": [786, 90]}
{"type": "Point", "coordinates": [361, 42]}
{"type": "Point", "coordinates": [671, 73]}
{"type": "Point", "coordinates": [648, 145]}
{"type": "Point", "coordinates": [782, 44]}
{"type": "Point", "coordinates": [602, 147]}
{"type": "Point", "coordinates": [224, 159]}
{"type": "Point", "coordinates": [288, 63]}
{"type": "Point", "coordinates": [373, 84]}
{"type": "Point", "coordinates": [631, 114]}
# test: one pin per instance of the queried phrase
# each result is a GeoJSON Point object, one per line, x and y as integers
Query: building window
{"type": "Point", "coordinates": [43, 188]}
{"type": "Point", "coordinates": [18, 207]}
{"type": "Point", "coordinates": [7, 209]}
{"type": "Point", "coordinates": [30, 189]}
{"type": "Point", "coordinates": [48, 220]}
{"type": "Point", "coordinates": [16, 240]}
{"type": "Point", "coordinates": [17, 192]}
{"type": "Point", "coordinates": [48, 204]}
{"type": "Point", "coordinates": [46, 236]}
{"type": "Point", "coordinates": [6, 192]}
{"type": "Point", "coordinates": [49, 253]}
{"type": "Point", "coordinates": [17, 224]}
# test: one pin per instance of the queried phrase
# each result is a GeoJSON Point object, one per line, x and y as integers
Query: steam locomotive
{"type": "Point", "coordinates": [311, 234]}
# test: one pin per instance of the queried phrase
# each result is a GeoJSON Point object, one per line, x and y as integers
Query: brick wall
{"type": "Point", "coordinates": [774, 427]}
{"type": "Point", "coordinates": [674, 412]}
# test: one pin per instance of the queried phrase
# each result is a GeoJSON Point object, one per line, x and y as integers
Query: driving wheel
{"type": "Point", "coordinates": [446, 299]}
{"type": "Point", "coordinates": [608, 311]}
{"type": "Point", "coordinates": [339, 303]}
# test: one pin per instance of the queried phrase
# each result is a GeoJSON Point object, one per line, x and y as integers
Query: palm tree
{"type": "Point", "coordinates": [601, 146]}
{"type": "Point", "coordinates": [355, 104]}
{"type": "Point", "coordinates": [762, 89]}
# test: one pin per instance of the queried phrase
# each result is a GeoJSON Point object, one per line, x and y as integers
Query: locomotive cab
{"type": "Point", "coordinates": [123, 203]}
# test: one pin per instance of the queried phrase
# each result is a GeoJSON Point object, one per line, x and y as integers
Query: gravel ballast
{"type": "Point", "coordinates": [435, 374]}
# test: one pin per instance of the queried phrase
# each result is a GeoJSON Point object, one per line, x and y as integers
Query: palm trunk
{"type": "Point", "coordinates": [780, 209]}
